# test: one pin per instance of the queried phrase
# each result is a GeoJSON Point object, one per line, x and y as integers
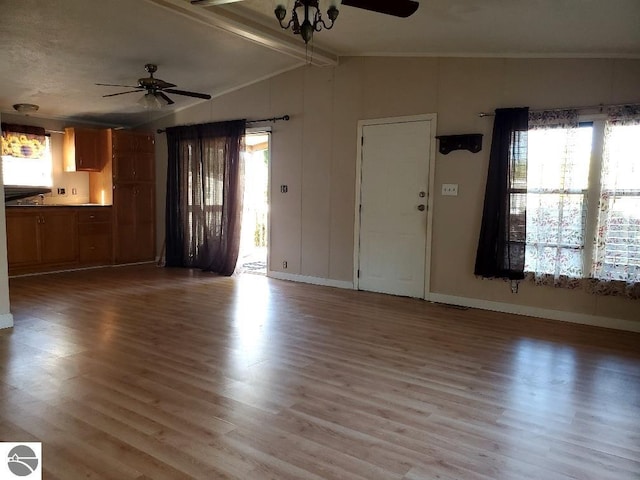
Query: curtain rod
{"type": "Point", "coordinates": [272, 119]}
{"type": "Point", "coordinates": [589, 107]}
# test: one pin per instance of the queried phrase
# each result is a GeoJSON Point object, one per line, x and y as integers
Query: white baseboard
{"type": "Point", "coordinates": [573, 317]}
{"type": "Point", "coordinates": [6, 320]}
{"type": "Point", "coordinates": [326, 282]}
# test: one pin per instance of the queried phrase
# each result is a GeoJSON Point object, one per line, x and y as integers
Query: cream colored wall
{"type": "Point", "coordinates": [314, 154]}
{"type": "Point", "coordinates": [61, 179]}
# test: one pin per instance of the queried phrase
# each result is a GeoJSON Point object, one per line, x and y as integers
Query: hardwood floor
{"type": "Point", "coordinates": [147, 373]}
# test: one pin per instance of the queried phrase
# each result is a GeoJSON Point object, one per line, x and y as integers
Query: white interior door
{"type": "Point", "coordinates": [393, 213]}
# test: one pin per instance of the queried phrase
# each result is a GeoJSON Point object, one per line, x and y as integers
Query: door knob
{"type": "Point", "coordinates": [421, 208]}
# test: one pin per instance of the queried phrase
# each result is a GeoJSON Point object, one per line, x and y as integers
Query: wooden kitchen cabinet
{"type": "Point", "coordinates": [40, 239]}
{"type": "Point", "coordinates": [133, 156]}
{"type": "Point", "coordinates": [23, 245]}
{"type": "Point", "coordinates": [133, 165]}
{"type": "Point", "coordinates": [134, 225]}
{"type": "Point", "coordinates": [84, 149]}
{"type": "Point", "coordinates": [95, 236]}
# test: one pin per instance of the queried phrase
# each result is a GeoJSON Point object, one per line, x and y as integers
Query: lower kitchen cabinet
{"type": "Point", "coordinates": [95, 236]}
{"type": "Point", "coordinates": [134, 222]}
{"type": "Point", "coordinates": [41, 239]}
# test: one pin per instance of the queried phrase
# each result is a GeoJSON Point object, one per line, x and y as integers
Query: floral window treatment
{"type": "Point", "coordinates": [557, 183]}
{"type": "Point", "coordinates": [581, 209]}
{"type": "Point", "coordinates": [616, 260]}
{"type": "Point", "coordinates": [21, 141]}
{"type": "Point", "coordinates": [26, 156]}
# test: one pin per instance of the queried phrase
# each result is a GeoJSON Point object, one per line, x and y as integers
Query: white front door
{"type": "Point", "coordinates": [393, 207]}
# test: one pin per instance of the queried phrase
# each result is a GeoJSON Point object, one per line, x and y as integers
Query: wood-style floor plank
{"type": "Point", "coordinates": [139, 373]}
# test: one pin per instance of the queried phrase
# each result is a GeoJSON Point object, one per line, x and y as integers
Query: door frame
{"type": "Point", "coordinates": [267, 131]}
{"type": "Point", "coordinates": [429, 117]}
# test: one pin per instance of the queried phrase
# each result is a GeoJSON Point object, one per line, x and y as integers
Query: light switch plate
{"type": "Point", "coordinates": [450, 189]}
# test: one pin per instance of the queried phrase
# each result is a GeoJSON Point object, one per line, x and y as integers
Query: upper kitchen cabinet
{"type": "Point", "coordinates": [133, 155]}
{"type": "Point", "coordinates": [84, 149]}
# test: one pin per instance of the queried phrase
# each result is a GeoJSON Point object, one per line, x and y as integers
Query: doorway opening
{"type": "Point", "coordinates": [253, 255]}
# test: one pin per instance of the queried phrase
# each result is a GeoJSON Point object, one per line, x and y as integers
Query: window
{"type": "Point", "coordinates": [557, 190]}
{"type": "Point", "coordinates": [617, 252]}
{"type": "Point", "coordinates": [583, 199]}
{"type": "Point", "coordinates": [26, 156]}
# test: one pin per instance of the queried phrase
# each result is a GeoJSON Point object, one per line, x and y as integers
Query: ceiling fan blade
{"type": "Point", "coordinates": [121, 93]}
{"type": "Point", "coordinates": [166, 99]}
{"type": "Point", "coordinates": [161, 84]}
{"type": "Point", "coordinates": [210, 3]}
{"type": "Point", "coordinates": [397, 8]}
{"type": "Point", "coordinates": [114, 85]}
{"type": "Point", "coordinates": [188, 94]}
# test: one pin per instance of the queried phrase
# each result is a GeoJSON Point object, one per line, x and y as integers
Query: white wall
{"type": "Point", "coordinates": [314, 154]}
{"type": "Point", "coordinates": [6, 319]}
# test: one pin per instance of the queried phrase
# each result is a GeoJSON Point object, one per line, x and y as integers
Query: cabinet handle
{"type": "Point", "coordinates": [92, 216]}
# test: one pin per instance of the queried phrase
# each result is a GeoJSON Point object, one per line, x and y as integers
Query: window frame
{"type": "Point", "coordinates": [593, 191]}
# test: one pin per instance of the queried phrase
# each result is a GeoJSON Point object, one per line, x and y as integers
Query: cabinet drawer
{"type": "Point", "coordinates": [94, 229]}
{"type": "Point", "coordinates": [94, 216]}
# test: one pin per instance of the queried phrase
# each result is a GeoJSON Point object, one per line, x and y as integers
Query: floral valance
{"type": "Point", "coordinates": [23, 141]}
{"type": "Point", "coordinates": [624, 115]}
{"type": "Point", "coordinates": [553, 119]}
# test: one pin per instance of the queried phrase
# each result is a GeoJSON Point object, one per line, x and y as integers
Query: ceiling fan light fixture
{"type": "Point", "coordinates": [309, 12]}
{"type": "Point", "coordinates": [150, 101]}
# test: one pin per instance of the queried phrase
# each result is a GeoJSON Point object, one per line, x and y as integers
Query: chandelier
{"type": "Point", "coordinates": [309, 12]}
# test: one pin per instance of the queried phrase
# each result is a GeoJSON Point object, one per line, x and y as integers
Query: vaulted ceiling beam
{"type": "Point", "coordinates": [285, 43]}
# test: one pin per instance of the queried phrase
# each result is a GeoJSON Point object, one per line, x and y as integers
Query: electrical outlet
{"type": "Point", "coordinates": [284, 264]}
{"type": "Point", "coordinates": [450, 189]}
{"type": "Point", "coordinates": [62, 191]}
{"type": "Point", "coordinates": [284, 188]}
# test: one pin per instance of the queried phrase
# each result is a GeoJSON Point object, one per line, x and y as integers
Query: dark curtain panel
{"type": "Point", "coordinates": [205, 188]}
{"type": "Point", "coordinates": [501, 246]}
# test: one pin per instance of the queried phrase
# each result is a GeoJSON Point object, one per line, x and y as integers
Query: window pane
{"type": "Point", "coordinates": [619, 245]}
{"type": "Point", "coordinates": [557, 182]}
{"type": "Point", "coordinates": [32, 172]}
{"type": "Point", "coordinates": [554, 261]}
{"type": "Point", "coordinates": [559, 158]}
{"type": "Point", "coordinates": [622, 168]}
{"type": "Point", "coordinates": [617, 253]}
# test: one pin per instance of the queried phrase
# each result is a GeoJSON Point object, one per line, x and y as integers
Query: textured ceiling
{"type": "Point", "coordinates": [52, 53]}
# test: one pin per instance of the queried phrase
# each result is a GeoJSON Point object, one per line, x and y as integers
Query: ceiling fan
{"type": "Point", "coordinates": [155, 89]}
{"type": "Point", "coordinates": [313, 21]}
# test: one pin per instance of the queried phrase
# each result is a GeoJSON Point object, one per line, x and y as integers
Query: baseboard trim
{"type": "Point", "coordinates": [326, 282]}
{"type": "Point", "coordinates": [80, 269]}
{"type": "Point", "coordinates": [6, 320]}
{"type": "Point", "coordinates": [572, 317]}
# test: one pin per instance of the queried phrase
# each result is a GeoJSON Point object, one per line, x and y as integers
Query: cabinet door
{"type": "Point", "coordinates": [88, 156]}
{"type": "Point", "coordinates": [145, 221]}
{"type": "Point", "coordinates": [124, 167]}
{"type": "Point", "coordinates": [58, 236]}
{"type": "Point", "coordinates": [22, 239]}
{"type": "Point", "coordinates": [94, 243]}
{"type": "Point", "coordinates": [124, 210]}
{"type": "Point", "coordinates": [144, 170]}
{"type": "Point", "coordinates": [134, 229]}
